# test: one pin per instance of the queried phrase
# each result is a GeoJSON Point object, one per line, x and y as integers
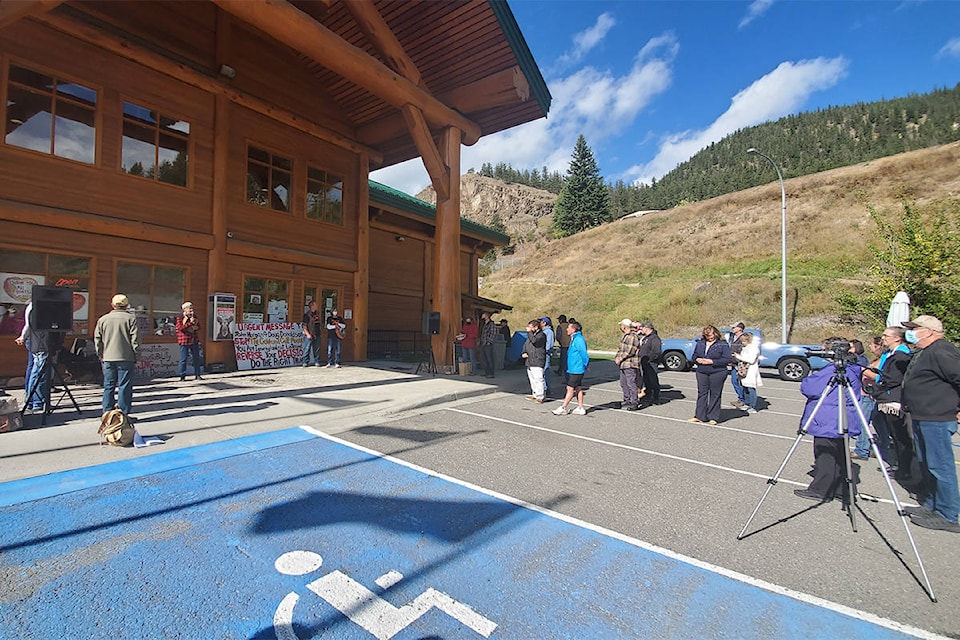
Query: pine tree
{"type": "Point", "coordinates": [583, 201]}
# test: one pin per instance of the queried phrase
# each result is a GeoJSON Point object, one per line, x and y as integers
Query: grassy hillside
{"type": "Point", "coordinates": [718, 261]}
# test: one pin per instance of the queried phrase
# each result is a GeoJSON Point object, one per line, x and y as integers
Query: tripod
{"type": "Point", "coordinates": [51, 374]}
{"type": "Point", "coordinates": [430, 364]}
{"type": "Point", "coordinates": [840, 383]}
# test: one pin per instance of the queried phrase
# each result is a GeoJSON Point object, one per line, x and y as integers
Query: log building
{"type": "Point", "coordinates": [171, 150]}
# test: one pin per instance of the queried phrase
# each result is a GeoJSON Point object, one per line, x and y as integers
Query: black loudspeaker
{"type": "Point", "coordinates": [52, 308]}
{"type": "Point", "coordinates": [431, 323]}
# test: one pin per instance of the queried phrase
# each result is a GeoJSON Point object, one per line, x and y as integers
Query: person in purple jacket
{"type": "Point", "coordinates": [829, 467]}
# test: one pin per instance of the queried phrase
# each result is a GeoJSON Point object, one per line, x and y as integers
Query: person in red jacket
{"type": "Point", "coordinates": [468, 343]}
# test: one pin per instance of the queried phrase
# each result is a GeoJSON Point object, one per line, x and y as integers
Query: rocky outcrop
{"type": "Point", "coordinates": [525, 212]}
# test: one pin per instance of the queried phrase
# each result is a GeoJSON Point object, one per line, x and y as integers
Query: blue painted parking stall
{"type": "Point", "coordinates": [294, 535]}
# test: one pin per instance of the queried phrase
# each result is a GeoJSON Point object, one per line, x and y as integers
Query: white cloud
{"type": "Point", "coordinates": [585, 41]}
{"type": "Point", "coordinates": [757, 8]}
{"type": "Point", "coordinates": [781, 92]}
{"type": "Point", "coordinates": [597, 103]}
{"type": "Point", "coordinates": [951, 49]}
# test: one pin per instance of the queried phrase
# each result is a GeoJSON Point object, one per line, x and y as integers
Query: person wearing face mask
{"type": "Point", "coordinates": [931, 395]}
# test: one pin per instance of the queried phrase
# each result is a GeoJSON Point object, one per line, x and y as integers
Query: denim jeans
{"type": "Point", "coordinates": [39, 381]}
{"type": "Point", "coordinates": [935, 449]}
{"type": "Point", "coordinates": [118, 374]}
{"type": "Point", "coordinates": [737, 386]}
{"type": "Point", "coordinates": [333, 350]}
{"type": "Point", "coordinates": [867, 405]}
{"type": "Point", "coordinates": [311, 350]}
{"type": "Point", "coordinates": [194, 351]}
{"type": "Point", "coordinates": [750, 397]}
{"type": "Point", "coordinates": [469, 354]}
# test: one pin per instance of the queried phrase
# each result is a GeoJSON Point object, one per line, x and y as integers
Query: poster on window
{"type": "Point", "coordinates": [18, 287]}
{"type": "Point", "coordinates": [81, 312]}
{"type": "Point", "coordinates": [268, 346]}
{"type": "Point", "coordinates": [223, 316]}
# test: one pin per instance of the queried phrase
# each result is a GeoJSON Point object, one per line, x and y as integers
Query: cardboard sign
{"type": "Point", "coordinates": [268, 345]}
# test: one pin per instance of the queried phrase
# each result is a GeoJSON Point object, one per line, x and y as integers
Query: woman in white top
{"type": "Point", "coordinates": [750, 355]}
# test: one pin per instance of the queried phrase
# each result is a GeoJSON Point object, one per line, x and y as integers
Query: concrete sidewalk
{"type": "Point", "coordinates": [230, 405]}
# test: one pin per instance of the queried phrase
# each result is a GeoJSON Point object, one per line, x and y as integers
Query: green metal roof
{"type": "Point", "coordinates": [382, 194]}
{"type": "Point", "coordinates": [518, 43]}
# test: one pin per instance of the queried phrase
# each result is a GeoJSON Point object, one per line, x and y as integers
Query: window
{"type": "Point", "coordinates": [21, 270]}
{"type": "Point", "coordinates": [324, 196]}
{"type": "Point", "coordinates": [155, 294]}
{"type": "Point", "coordinates": [155, 146]}
{"type": "Point", "coordinates": [265, 300]}
{"type": "Point", "coordinates": [50, 115]}
{"type": "Point", "coordinates": [268, 179]}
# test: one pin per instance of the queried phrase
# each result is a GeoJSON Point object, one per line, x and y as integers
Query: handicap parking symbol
{"type": "Point", "coordinates": [364, 607]}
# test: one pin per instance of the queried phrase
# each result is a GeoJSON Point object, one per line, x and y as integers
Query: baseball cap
{"type": "Point", "coordinates": [928, 322]}
{"type": "Point", "coordinates": [545, 319]}
{"type": "Point", "coordinates": [120, 300]}
{"type": "Point", "coordinates": [738, 324]}
{"type": "Point", "coordinates": [626, 322]}
{"type": "Point", "coordinates": [646, 325]}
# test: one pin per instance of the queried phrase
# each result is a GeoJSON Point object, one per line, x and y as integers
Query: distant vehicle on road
{"type": "Point", "coordinates": [790, 360]}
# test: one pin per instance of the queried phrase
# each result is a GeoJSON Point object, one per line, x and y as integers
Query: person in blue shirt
{"type": "Point", "coordinates": [577, 363]}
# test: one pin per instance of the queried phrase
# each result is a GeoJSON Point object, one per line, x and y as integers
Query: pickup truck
{"type": "Point", "coordinates": [790, 360]}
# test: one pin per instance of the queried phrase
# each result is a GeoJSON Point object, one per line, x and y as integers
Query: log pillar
{"type": "Point", "coordinates": [221, 350]}
{"type": "Point", "coordinates": [446, 272]}
{"type": "Point", "coordinates": [361, 277]}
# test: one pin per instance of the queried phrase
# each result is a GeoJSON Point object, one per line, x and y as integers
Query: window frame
{"type": "Point", "coordinates": [292, 314]}
{"type": "Point", "coordinates": [91, 279]}
{"type": "Point", "coordinates": [60, 77]}
{"type": "Point", "coordinates": [124, 98]}
{"type": "Point", "coordinates": [306, 196]}
{"type": "Point", "coordinates": [151, 336]}
{"type": "Point", "coordinates": [291, 172]}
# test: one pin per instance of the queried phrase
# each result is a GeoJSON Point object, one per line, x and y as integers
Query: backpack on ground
{"type": "Point", "coordinates": [115, 429]}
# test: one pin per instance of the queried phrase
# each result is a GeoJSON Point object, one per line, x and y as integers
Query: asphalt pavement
{"type": "Point", "coordinates": [650, 479]}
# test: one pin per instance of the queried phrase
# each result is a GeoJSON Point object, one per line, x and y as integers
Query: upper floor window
{"type": "Point", "coordinates": [268, 179]}
{"type": "Point", "coordinates": [50, 115]}
{"type": "Point", "coordinates": [155, 146]}
{"type": "Point", "coordinates": [324, 196]}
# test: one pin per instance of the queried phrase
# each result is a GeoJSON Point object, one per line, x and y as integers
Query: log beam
{"type": "Point", "coordinates": [292, 256]}
{"type": "Point", "coordinates": [13, 10]}
{"type": "Point", "coordinates": [378, 32]}
{"type": "Point", "coordinates": [496, 90]}
{"type": "Point", "coordinates": [289, 25]}
{"type": "Point", "coordinates": [438, 171]}
{"type": "Point", "coordinates": [130, 50]}
{"type": "Point", "coordinates": [446, 252]}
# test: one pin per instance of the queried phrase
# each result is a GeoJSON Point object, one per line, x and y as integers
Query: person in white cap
{"type": "Point", "coordinates": [117, 338]}
{"type": "Point", "coordinates": [628, 359]}
{"type": "Point", "coordinates": [188, 337]}
{"type": "Point", "coordinates": [930, 393]}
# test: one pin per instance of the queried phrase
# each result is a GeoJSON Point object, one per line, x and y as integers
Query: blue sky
{"type": "Point", "coordinates": [650, 83]}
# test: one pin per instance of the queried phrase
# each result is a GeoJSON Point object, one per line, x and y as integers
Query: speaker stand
{"type": "Point", "coordinates": [49, 369]}
{"type": "Point", "coordinates": [430, 364]}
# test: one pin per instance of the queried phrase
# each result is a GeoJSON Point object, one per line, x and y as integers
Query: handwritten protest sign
{"type": "Point", "coordinates": [160, 360]}
{"type": "Point", "coordinates": [268, 345]}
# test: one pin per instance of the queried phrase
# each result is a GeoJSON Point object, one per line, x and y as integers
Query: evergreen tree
{"type": "Point", "coordinates": [583, 201]}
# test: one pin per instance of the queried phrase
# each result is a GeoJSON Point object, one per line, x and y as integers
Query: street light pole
{"type": "Point", "coordinates": [783, 246]}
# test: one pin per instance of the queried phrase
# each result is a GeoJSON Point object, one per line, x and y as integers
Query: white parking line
{"type": "Point", "coordinates": [770, 411]}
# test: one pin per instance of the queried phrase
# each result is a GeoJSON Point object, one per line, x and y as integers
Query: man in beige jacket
{"type": "Point", "coordinates": [117, 339]}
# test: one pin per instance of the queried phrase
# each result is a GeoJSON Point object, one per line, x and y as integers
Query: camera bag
{"type": "Point", "coordinates": [115, 429]}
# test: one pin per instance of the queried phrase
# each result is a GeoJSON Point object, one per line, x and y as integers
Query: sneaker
{"type": "Point", "coordinates": [538, 400]}
{"type": "Point", "coordinates": [579, 411]}
{"type": "Point", "coordinates": [914, 511]}
{"type": "Point", "coordinates": [561, 411]}
{"type": "Point", "coordinates": [751, 410]}
{"type": "Point", "coordinates": [630, 407]}
{"type": "Point", "coordinates": [857, 456]}
{"type": "Point", "coordinates": [713, 422]}
{"type": "Point", "coordinates": [736, 404]}
{"type": "Point", "coordinates": [695, 420]}
{"type": "Point", "coordinates": [934, 521]}
{"type": "Point", "coordinates": [530, 397]}
{"type": "Point", "coordinates": [338, 366]}
{"type": "Point", "coordinates": [328, 366]}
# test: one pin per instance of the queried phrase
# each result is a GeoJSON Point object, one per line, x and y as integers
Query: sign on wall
{"type": "Point", "coordinates": [269, 345]}
{"type": "Point", "coordinates": [160, 360]}
{"type": "Point", "coordinates": [223, 316]}
{"type": "Point", "coordinates": [16, 288]}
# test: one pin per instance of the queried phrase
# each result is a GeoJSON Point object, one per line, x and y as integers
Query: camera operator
{"type": "Point", "coordinates": [828, 443]}
{"type": "Point", "coordinates": [931, 395]}
{"type": "Point", "coordinates": [188, 329]}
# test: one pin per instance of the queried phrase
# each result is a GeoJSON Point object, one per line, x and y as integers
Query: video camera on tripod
{"type": "Point", "coordinates": [837, 351]}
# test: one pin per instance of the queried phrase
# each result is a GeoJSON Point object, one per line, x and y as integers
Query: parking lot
{"type": "Point", "coordinates": [628, 520]}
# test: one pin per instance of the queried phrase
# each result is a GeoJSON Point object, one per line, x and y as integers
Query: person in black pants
{"type": "Point", "coordinates": [711, 355]}
{"type": "Point", "coordinates": [650, 348]}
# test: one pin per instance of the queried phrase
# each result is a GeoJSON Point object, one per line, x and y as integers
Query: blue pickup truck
{"type": "Point", "coordinates": [790, 360]}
